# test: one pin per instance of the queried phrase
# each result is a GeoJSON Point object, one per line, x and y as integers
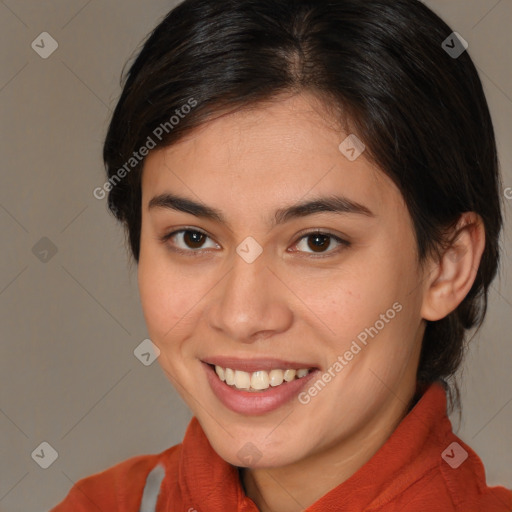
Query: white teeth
{"type": "Point", "coordinates": [259, 380]}
{"type": "Point", "coordinates": [230, 376]}
{"type": "Point", "coordinates": [242, 380]}
{"type": "Point", "coordinates": [221, 373]}
{"type": "Point", "coordinates": [289, 375]}
{"type": "Point", "coordinates": [276, 377]}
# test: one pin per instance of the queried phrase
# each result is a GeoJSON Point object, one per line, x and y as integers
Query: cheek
{"type": "Point", "coordinates": [367, 301]}
{"type": "Point", "coordinates": [168, 296]}
{"type": "Point", "coordinates": [348, 298]}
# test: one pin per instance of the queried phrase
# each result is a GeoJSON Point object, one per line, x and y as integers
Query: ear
{"type": "Point", "coordinates": [451, 278]}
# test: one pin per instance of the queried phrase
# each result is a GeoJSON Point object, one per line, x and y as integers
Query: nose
{"type": "Point", "coordinates": [250, 303]}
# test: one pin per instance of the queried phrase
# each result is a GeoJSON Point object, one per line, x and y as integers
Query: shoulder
{"type": "Point", "coordinates": [455, 480]}
{"type": "Point", "coordinates": [120, 487]}
{"type": "Point", "coordinates": [463, 475]}
{"type": "Point", "coordinates": [434, 469]}
{"type": "Point", "coordinates": [457, 474]}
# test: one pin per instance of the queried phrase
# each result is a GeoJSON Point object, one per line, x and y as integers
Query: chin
{"type": "Point", "coordinates": [248, 451]}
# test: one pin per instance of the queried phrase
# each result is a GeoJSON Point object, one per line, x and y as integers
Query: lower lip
{"type": "Point", "coordinates": [259, 402]}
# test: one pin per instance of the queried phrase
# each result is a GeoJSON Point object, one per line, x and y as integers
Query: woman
{"type": "Point", "coordinates": [311, 193]}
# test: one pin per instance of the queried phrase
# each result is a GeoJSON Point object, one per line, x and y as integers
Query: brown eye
{"type": "Point", "coordinates": [320, 243]}
{"type": "Point", "coordinates": [188, 241]}
{"type": "Point", "coordinates": [193, 239]}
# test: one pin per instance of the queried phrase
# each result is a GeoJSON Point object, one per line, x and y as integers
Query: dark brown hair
{"type": "Point", "coordinates": [420, 111]}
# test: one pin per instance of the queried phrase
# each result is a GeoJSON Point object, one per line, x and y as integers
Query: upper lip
{"type": "Point", "coordinates": [256, 364]}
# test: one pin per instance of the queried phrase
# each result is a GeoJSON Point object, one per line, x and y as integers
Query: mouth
{"type": "Point", "coordinates": [259, 380]}
{"type": "Point", "coordinates": [252, 387]}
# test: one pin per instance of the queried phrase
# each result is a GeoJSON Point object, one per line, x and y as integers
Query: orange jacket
{"type": "Point", "coordinates": [422, 467]}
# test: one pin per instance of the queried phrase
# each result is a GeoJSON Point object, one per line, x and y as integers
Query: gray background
{"type": "Point", "coordinates": [69, 325]}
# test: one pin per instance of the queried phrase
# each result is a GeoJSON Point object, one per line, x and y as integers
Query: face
{"type": "Point", "coordinates": [235, 270]}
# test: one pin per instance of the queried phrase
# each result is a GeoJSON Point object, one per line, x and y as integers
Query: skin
{"type": "Point", "coordinates": [289, 303]}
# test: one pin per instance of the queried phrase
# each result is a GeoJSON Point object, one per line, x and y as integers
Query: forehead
{"type": "Point", "coordinates": [263, 157]}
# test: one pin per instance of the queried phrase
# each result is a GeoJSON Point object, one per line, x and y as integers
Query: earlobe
{"type": "Point", "coordinates": [453, 275]}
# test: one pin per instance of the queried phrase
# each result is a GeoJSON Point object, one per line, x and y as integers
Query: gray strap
{"type": "Point", "coordinates": [152, 489]}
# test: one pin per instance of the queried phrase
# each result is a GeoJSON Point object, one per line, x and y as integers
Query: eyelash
{"type": "Point", "coordinates": [199, 252]}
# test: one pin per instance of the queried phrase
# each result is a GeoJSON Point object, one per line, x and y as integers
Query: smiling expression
{"type": "Point", "coordinates": [261, 241]}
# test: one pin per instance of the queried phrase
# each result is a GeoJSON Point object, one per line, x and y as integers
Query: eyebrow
{"type": "Point", "coordinates": [333, 204]}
